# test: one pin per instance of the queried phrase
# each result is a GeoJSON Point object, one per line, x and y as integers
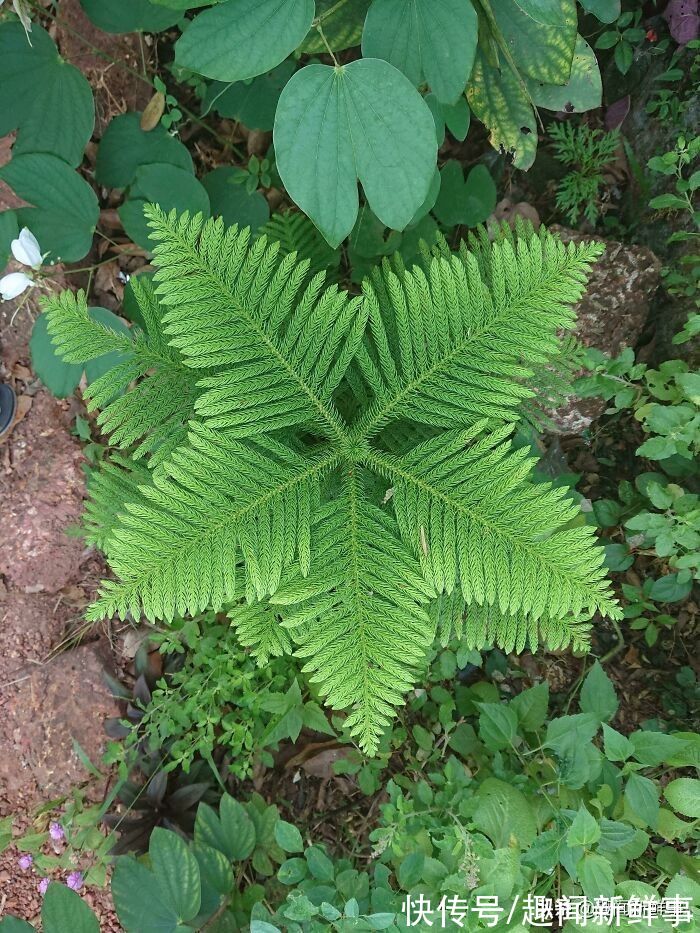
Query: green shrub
{"type": "Point", "coordinates": [524, 806]}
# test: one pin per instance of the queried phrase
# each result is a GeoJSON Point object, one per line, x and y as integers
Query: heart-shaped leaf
{"type": "Point", "coordinates": [125, 146]}
{"type": "Point", "coordinates": [63, 910]}
{"type": "Point", "coordinates": [178, 872]}
{"type": "Point", "coordinates": [169, 187]}
{"type": "Point", "coordinates": [497, 98]}
{"type": "Point", "coordinates": [467, 202]}
{"type": "Point", "coordinates": [435, 39]}
{"type": "Point", "coordinates": [244, 38]}
{"type": "Point", "coordinates": [46, 99]}
{"type": "Point", "coordinates": [363, 120]}
{"type": "Point", "coordinates": [232, 201]}
{"type": "Point", "coordinates": [65, 210]}
{"type": "Point", "coordinates": [583, 90]}
{"type": "Point", "coordinates": [130, 15]}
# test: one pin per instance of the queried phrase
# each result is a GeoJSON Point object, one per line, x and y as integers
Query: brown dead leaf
{"type": "Point", "coordinates": [155, 109]}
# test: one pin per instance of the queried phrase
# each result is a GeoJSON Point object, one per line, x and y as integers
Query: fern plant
{"type": "Point", "coordinates": [586, 152]}
{"type": "Point", "coordinates": [337, 471]}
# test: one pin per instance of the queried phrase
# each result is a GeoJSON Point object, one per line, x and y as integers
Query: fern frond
{"type": "Point", "coordinates": [109, 485]}
{"type": "Point", "coordinates": [355, 538]}
{"type": "Point", "coordinates": [147, 398]}
{"type": "Point", "coordinates": [458, 343]}
{"type": "Point", "coordinates": [284, 345]}
{"type": "Point", "coordinates": [359, 618]}
{"type": "Point", "coordinates": [297, 234]}
{"type": "Point", "coordinates": [214, 505]}
{"type": "Point", "coordinates": [464, 505]}
{"type": "Point", "coordinates": [486, 626]}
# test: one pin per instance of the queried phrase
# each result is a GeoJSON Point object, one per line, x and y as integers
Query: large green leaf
{"type": "Point", "coordinates": [15, 925]}
{"type": "Point", "coordinates": [607, 11]}
{"type": "Point", "coordinates": [540, 52]}
{"type": "Point", "coordinates": [125, 146]}
{"type": "Point", "coordinates": [252, 102]}
{"type": "Point", "coordinates": [596, 876]}
{"type": "Point", "coordinates": [130, 15]}
{"type": "Point", "coordinates": [215, 874]}
{"type": "Point", "coordinates": [185, 4]}
{"type": "Point", "coordinates": [141, 902]}
{"type": "Point", "coordinates": [583, 90]}
{"type": "Point", "coordinates": [243, 38]}
{"type": "Point", "coordinates": [65, 210]}
{"type": "Point", "coordinates": [364, 120]}
{"type": "Point", "coordinates": [504, 811]}
{"type": "Point", "coordinates": [435, 39]}
{"type": "Point", "coordinates": [46, 99]}
{"type": "Point", "coordinates": [169, 187]}
{"type": "Point", "coordinates": [64, 910]}
{"type": "Point", "coordinates": [178, 872]}
{"type": "Point", "coordinates": [342, 27]}
{"type": "Point", "coordinates": [9, 231]}
{"type": "Point", "coordinates": [233, 201]}
{"type": "Point", "coordinates": [684, 796]}
{"type": "Point", "coordinates": [238, 827]}
{"type": "Point", "coordinates": [500, 102]}
{"type": "Point", "coordinates": [546, 12]}
{"type": "Point", "coordinates": [467, 202]}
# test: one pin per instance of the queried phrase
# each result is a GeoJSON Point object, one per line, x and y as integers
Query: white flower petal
{"type": "Point", "coordinates": [26, 249]}
{"type": "Point", "coordinates": [14, 284]}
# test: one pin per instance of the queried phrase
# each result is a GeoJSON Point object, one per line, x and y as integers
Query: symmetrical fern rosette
{"type": "Point", "coordinates": [336, 471]}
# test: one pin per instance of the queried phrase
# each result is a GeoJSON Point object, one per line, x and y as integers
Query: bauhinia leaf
{"type": "Point", "coordinates": [363, 120]}
{"type": "Point", "coordinates": [244, 38]}
{"type": "Point", "coordinates": [64, 210]}
{"type": "Point", "coordinates": [431, 39]}
{"type": "Point", "coordinates": [583, 91]}
{"type": "Point", "coordinates": [497, 98]}
{"type": "Point", "coordinates": [48, 100]}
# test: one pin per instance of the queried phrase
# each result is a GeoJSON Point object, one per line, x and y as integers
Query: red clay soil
{"type": "Point", "coordinates": [50, 694]}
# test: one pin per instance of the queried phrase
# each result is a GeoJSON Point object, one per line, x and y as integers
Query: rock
{"type": "Point", "coordinates": [61, 701]}
{"type": "Point", "coordinates": [41, 495]}
{"type": "Point", "coordinates": [611, 315]}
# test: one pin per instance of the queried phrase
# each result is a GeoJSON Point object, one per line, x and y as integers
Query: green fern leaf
{"type": "Point", "coordinates": [338, 472]}
{"type": "Point", "coordinates": [359, 618]}
{"type": "Point", "coordinates": [458, 343]}
{"type": "Point", "coordinates": [150, 396]}
{"type": "Point", "coordinates": [297, 234]}
{"type": "Point", "coordinates": [283, 347]}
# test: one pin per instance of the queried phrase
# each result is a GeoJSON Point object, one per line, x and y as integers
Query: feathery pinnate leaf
{"type": "Point", "coordinates": [338, 472]}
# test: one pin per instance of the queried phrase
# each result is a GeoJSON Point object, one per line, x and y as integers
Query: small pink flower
{"type": "Point", "coordinates": [25, 862]}
{"type": "Point", "coordinates": [56, 832]}
{"type": "Point", "coordinates": [75, 880]}
{"type": "Point", "coordinates": [43, 885]}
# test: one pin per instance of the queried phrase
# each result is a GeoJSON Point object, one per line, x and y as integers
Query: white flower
{"type": "Point", "coordinates": [14, 284]}
{"type": "Point", "coordinates": [26, 249]}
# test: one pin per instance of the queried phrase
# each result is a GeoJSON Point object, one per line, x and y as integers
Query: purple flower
{"type": "Point", "coordinates": [56, 832]}
{"type": "Point", "coordinates": [75, 880]}
{"type": "Point", "coordinates": [43, 885]}
{"type": "Point", "coordinates": [25, 862]}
